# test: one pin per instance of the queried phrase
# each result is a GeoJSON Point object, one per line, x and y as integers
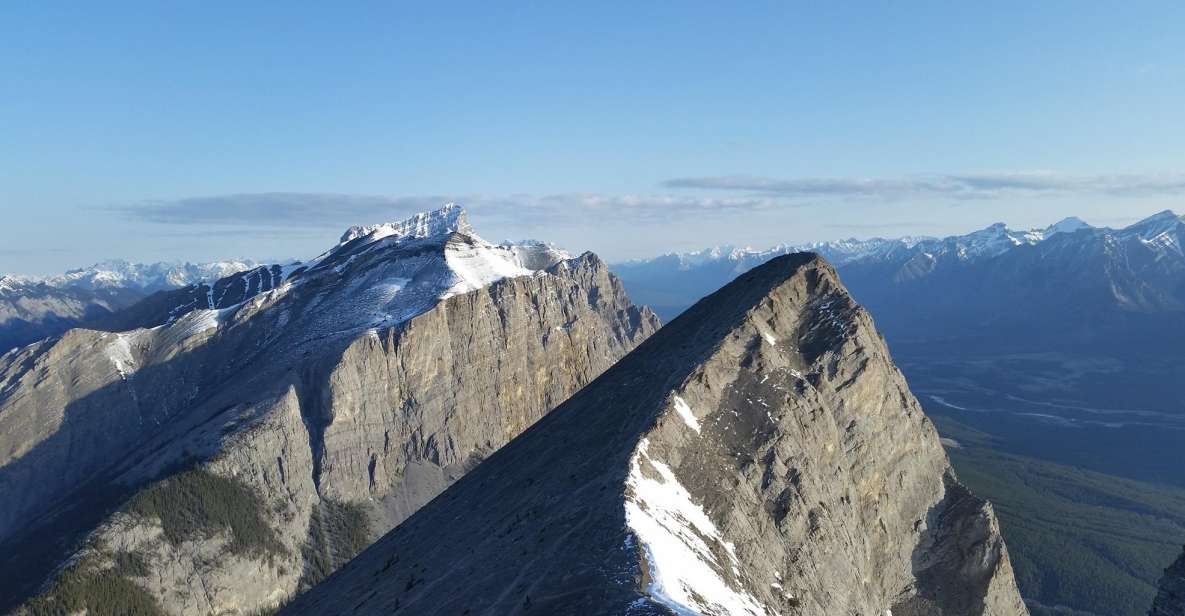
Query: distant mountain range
{"type": "Point", "coordinates": [32, 308]}
{"type": "Point", "coordinates": [984, 279]}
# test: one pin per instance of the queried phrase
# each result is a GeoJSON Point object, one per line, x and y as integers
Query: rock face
{"type": "Point", "coordinates": [759, 455]}
{"type": "Point", "coordinates": [1170, 600]}
{"type": "Point", "coordinates": [227, 458]}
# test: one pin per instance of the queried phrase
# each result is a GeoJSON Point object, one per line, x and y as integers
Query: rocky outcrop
{"type": "Point", "coordinates": [224, 460]}
{"type": "Point", "coordinates": [759, 455]}
{"type": "Point", "coordinates": [1170, 599]}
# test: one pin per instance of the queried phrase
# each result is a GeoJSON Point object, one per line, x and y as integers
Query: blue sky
{"type": "Point", "coordinates": [205, 130]}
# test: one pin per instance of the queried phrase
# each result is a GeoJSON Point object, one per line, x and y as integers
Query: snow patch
{"type": "Point", "coordinates": [448, 219]}
{"type": "Point", "coordinates": [684, 411]}
{"type": "Point", "coordinates": [119, 352]}
{"type": "Point", "coordinates": [480, 265]}
{"type": "Point", "coordinates": [678, 538]}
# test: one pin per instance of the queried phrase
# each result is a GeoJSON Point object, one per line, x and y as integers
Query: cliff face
{"type": "Point", "coordinates": [227, 459]}
{"type": "Point", "coordinates": [759, 455]}
{"type": "Point", "coordinates": [1170, 600]}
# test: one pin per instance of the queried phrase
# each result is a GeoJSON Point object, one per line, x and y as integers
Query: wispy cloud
{"type": "Point", "coordinates": [953, 186]}
{"type": "Point", "coordinates": [688, 197]}
{"type": "Point", "coordinates": [319, 209]}
{"type": "Point", "coordinates": [877, 227]}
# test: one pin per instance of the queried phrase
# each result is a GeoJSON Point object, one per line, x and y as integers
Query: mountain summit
{"type": "Point", "coordinates": [759, 455]}
{"type": "Point", "coordinates": [449, 219]}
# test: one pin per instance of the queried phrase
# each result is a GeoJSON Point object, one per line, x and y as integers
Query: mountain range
{"type": "Point", "coordinates": [32, 308]}
{"type": "Point", "coordinates": [498, 428]}
{"type": "Point", "coordinates": [1136, 269]}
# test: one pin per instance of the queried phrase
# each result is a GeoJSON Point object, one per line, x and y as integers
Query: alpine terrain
{"type": "Point", "coordinates": [225, 445]}
{"type": "Point", "coordinates": [759, 455]}
{"type": "Point", "coordinates": [34, 308]}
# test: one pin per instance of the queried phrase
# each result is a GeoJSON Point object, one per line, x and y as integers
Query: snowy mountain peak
{"type": "Point", "coordinates": [1067, 225]}
{"type": "Point", "coordinates": [118, 274]}
{"type": "Point", "coordinates": [449, 219]}
{"type": "Point", "coordinates": [1162, 216]}
{"type": "Point", "coordinates": [1156, 224]}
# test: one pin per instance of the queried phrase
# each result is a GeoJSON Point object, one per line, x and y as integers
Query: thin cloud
{"type": "Point", "coordinates": [318, 209]}
{"type": "Point", "coordinates": [956, 186]}
{"type": "Point", "coordinates": [272, 209]}
{"type": "Point", "coordinates": [874, 227]}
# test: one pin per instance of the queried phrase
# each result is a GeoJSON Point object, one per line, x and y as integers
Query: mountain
{"type": "Point", "coordinates": [35, 308]}
{"type": "Point", "coordinates": [761, 454]}
{"type": "Point", "coordinates": [256, 432]}
{"type": "Point", "coordinates": [1170, 601]}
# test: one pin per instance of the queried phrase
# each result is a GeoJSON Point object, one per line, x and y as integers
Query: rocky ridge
{"type": "Point", "coordinates": [759, 455]}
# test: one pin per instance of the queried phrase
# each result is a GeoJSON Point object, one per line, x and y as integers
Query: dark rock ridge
{"type": "Point", "coordinates": [759, 455]}
{"type": "Point", "coordinates": [221, 460]}
{"type": "Point", "coordinates": [1170, 600]}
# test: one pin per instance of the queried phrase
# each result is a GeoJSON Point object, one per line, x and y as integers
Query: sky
{"type": "Point", "coordinates": [207, 130]}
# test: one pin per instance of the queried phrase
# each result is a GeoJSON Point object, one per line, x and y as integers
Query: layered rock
{"type": "Point", "coordinates": [1170, 599]}
{"type": "Point", "coordinates": [223, 460]}
{"type": "Point", "coordinates": [759, 455]}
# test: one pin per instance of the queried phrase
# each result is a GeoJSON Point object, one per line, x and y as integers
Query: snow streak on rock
{"type": "Point", "coordinates": [685, 412]}
{"type": "Point", "coordinates": [682, 545]}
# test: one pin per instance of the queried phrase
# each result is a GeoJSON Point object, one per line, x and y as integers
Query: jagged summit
{"type": "Point", "coordinates": [387, 273]}
{"type": "Point", "coordinates": [448, 219]}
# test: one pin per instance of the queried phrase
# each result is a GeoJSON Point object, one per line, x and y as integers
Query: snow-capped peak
{"type": "Point", "coordinates": [448, 219]}
{"type": "Point", "coordinates": [1156, 224]}
{"type": "Point", "coordinates": [1067, 225]}
{"type": "Point", "coordinates": [385, 274]}
{"type": "Point", "coordinates": [120, 274]}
